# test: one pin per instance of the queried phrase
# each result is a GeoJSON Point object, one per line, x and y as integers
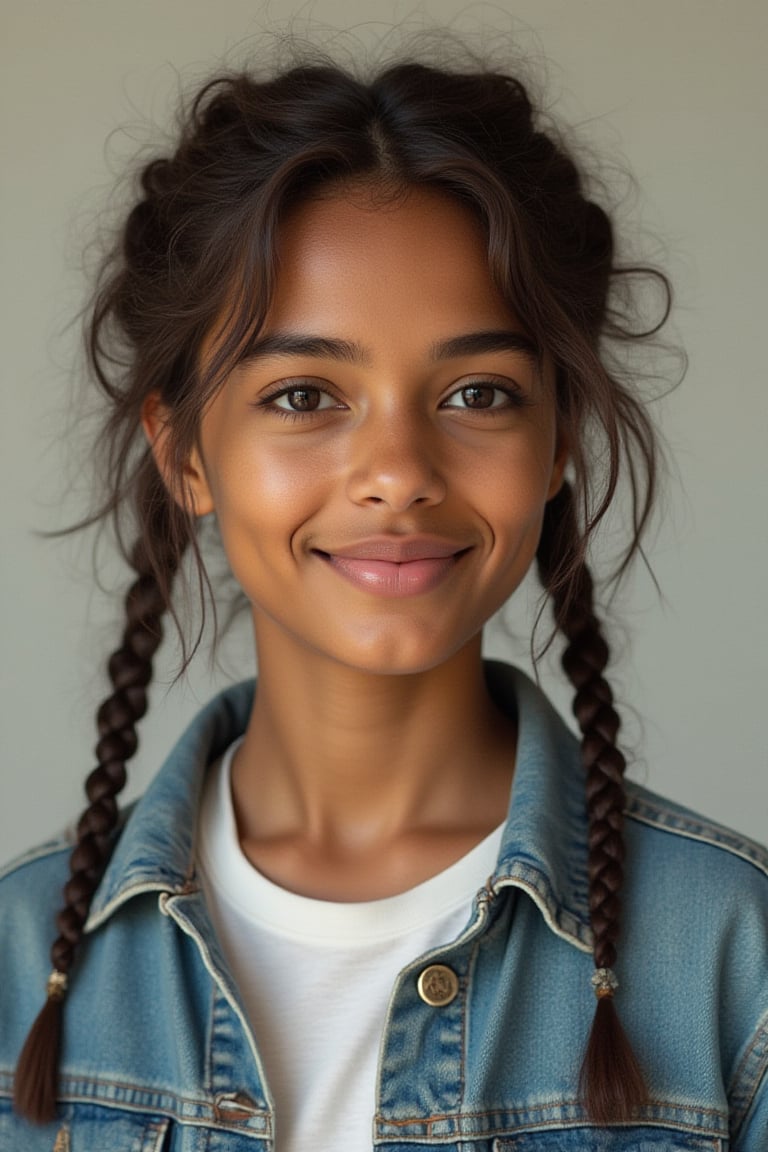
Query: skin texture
{"type": "Point", "coordinates": [374, 756]}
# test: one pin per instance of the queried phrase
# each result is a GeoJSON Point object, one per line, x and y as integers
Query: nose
{"type": "Point", "coordinates": [394, 464]}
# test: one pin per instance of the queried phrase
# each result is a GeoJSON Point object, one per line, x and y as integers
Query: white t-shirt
{"type": "Point", "coordinates": [316, 976]}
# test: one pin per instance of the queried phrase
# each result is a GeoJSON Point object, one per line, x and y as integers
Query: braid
{"type": "Point", "coordinates": [611, 1082]}
{"type": "Point", "coordinates": [130, 671]}
{"type": "Point", "coordinates": [198, 255]}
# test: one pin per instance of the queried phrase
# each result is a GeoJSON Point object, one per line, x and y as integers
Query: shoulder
{"type": "Point", "coordinates": [684, 837]}
{"type": "Point", "coordinates": [32, 873]}
{"type": "Point", "coordinates": [30, 897]}
{"type": "Point", "coordinates": [696, 893]}
{"type": "Point", "coordinates": [680, 863]}
{"type": "Point", "coordinates": [695, 937]}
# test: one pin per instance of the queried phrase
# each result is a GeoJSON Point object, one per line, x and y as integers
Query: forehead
{"type": "Point", "coordinates": [357, 256]}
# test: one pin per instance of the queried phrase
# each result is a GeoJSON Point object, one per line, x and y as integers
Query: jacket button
{"type": "Point", "coordinates": [438, 985]}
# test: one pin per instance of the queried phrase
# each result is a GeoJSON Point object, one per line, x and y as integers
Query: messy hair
{"type": "Point", "coordinates": [197, 254]}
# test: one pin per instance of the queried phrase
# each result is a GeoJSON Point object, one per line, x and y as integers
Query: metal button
{"type": "Point", "coordinates": [438, 985]}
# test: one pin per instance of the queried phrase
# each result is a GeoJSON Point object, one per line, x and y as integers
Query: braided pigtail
{"type": "Point", "coordinates": [182, 298]}
{"type": "Point", "coordinates": [611, 1082]}
{"type": "Point", "coordinates": [130, 671]}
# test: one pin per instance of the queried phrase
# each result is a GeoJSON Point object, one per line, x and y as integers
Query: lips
{"type": "Point", "coordinates": [396, 567]}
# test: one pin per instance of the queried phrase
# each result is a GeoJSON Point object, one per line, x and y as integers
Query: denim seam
{"type": "Point", "coordinates": [185, 926]}
{"type": "Point", "coordinates": [159, 1128]}
{"type": "Point", "coordinates": [208, 1059]}
{"type": "Point", "coordinates": [161, 885]}
{"type": "Point", "coordinates": [675, 1115]}
{"type": "Point", "coordinates": [704, 833]}
{"type": "Point", "coordinates": [475, 944]}
{"type": "Point", "coordinates": [714, 1142]}
{"type": "Point", "coordinates": [752, 1071]}
{"type": "Point", "coordinates": [116, 1095]}
{"type": "Point", "coordinates": [61, 845]}
{"type": "Point", "coordinates": [552, 912]}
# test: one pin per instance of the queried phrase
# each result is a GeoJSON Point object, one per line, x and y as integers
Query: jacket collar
{"type": "Point", "coordinates": [156, 848]}
{"type": "Point", "coordinates": [544, 846]}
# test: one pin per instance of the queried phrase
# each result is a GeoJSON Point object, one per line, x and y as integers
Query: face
{"type": "Point", "coordinates": [380, 464]}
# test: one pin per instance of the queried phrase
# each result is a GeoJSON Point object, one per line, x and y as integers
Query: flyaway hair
{"type": "Point", "coordinates": [198, 255]}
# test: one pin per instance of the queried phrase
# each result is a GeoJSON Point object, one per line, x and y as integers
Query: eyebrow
{"type": "Point", "coordinates": [495, 340]}
{"type": "Point", "coordinates": [295, 344]}
{"type": "Point", "coordinates": [348, 351]}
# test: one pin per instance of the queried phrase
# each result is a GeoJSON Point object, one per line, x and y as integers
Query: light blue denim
{"type": "Point", "coordinates": [158, 1055]}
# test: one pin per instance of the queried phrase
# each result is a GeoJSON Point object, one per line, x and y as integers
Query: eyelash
{"type": "Point", "coordinates": [268, 401]}
{"type": "Point", "coordinates": [515, 399]}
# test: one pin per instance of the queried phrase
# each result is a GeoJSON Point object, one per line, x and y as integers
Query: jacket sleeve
{"type": "Point", "coordinates": [750, 1098]}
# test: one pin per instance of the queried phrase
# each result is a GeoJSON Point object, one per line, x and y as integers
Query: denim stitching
{"type": "Point", "coordinates": [752, 1069]}
{"type": "Point", "coordinates": [688, 826]}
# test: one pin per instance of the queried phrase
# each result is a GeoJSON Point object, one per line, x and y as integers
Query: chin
{"type": "Point", "coordinates": [398, 655]}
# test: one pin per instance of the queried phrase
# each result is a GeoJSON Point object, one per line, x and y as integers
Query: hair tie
{"type": "Point", "coordinates": [56, 988]}
{"type": "Point", "coordinates": [604, 982]}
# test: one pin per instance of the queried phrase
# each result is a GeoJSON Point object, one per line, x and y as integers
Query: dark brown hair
{"type": "Point", "coordinates": [199, 244]}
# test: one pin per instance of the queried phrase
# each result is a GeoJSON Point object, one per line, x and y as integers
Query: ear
{"type": "Point", "coordinates": [558, 464]}
{"type": "Point", "coordinates": [189, 488]}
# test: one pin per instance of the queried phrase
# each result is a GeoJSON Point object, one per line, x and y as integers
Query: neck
{"type": "Point", "coordinates": [352, 761]}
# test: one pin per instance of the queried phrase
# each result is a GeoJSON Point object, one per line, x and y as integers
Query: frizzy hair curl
{"type": "Point", "coordinates": [197, 255]}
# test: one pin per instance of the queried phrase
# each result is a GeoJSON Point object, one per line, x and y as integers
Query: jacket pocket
{"type": "Point", "coordinates": [636, 1138]}
{"type": "Point", "coordinates": [86, 1129]}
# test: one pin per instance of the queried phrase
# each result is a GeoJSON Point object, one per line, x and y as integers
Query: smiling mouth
{"type": "Point", "coordinates": [395, 578]}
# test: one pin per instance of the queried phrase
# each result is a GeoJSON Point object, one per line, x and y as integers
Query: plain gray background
{"type": "Point", "coordinates": [675, 89]}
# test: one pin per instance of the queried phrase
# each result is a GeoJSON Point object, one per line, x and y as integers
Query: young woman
{"type": "Point", "coordinates": [384, 897]}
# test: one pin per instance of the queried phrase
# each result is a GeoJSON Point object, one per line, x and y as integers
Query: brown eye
{"type": "Point", "coordinates": [478, 395]}
{"type": "Point", "coordinates": [485, 396]}
{"type": "Point", "coordinates": [301, 399]}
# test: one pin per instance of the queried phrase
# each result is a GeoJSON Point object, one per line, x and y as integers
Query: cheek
{"type": "Point", "coordinates": [516, 488]}
{"type": "Point", "coordinates": [262, 498]}
{"type": "Point", "coordinates": [250, 477]}
{"type": "Point", "coordinates": [274, 486]}
{"type": "Point", "coordinates": [517, 480]}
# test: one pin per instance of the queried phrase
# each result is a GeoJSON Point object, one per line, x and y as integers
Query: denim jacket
{"type": "Point", "coordinates": [158, 1055]}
